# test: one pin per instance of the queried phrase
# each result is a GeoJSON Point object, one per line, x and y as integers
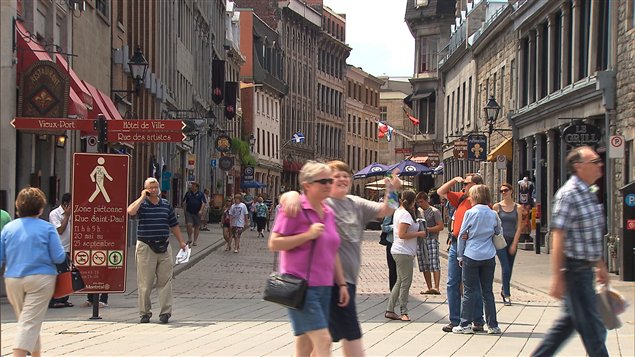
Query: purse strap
{"type": "Point", "coordinates": [275, 255]}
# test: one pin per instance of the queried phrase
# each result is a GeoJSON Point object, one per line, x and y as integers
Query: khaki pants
{"type": "Point", "coordinates": [30, 298]}
{"type": "Point", "coordinates": [400, 292]}
{"type": "Point", "coordinates": [151, 265]}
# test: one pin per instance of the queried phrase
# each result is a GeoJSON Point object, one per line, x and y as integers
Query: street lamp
{"type": "Point", "coordinates": [138, 68]}
{"type": "Point", "coordinates": [252, 142]}
{"type": "Point", "coordinates": [491, 112]}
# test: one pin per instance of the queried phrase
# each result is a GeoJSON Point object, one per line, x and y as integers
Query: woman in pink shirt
{"type": "Point", "coordinates": [294, 239]}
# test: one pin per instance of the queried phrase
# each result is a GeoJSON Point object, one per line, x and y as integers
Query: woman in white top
{"type": "Point", "coordinates": [404, 250]}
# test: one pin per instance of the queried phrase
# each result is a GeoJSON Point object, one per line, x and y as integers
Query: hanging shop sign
{"type": "Point", "coordinates": [225, 163]}
{"type": "Point", "coordinates": [476, 147]}
{"type": "Point", "coordinates": [460, 149]}
{"type": "Point", "coordinates": [223, 143]}
{"type": "Point", "coordinates": [582, 135]}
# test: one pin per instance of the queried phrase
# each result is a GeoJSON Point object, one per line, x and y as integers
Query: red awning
{"type": "Point", "coordinates": [110, 106]}
{"type": "Point", "coordinates": [98, 105]}
{"type": "Point", "coordinates": [30, 52]}
{"type": "Point", "coordinates": [76, 83]}
{"type": "Point", "coordinates": [292, 166]}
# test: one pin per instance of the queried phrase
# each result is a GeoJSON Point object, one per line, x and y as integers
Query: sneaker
{"type": "Point", "coordinates": [103, 304]}
{"type": "Point", "coordinates": [144, 319]}
{"type": "Point", "coordinates": [448, 327]}
{"type": "Point", "coordinates": [477, 328]}
{"type": "Point", "coordinates": [494, 330]}
{"type": "Point", "coordinates": [467, 330]}
{"type": "Point", "coordinates": [164, 318]}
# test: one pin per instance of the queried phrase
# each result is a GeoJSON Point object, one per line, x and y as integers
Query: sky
{"type": "Point", "coordinates": [380, 40]}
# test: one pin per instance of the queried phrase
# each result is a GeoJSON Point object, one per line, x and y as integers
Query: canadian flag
{"type": "Point", "coordinates": [385, 130]}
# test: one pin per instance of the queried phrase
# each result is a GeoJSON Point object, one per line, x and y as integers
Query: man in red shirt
{"type": "Point", "coordinates": [462, 204]}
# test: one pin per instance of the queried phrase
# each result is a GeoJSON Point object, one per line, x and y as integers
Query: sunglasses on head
{"type": "Point", "coordinates": [323, 181]}
{"type": "Point", "coordinates": [503, 190]}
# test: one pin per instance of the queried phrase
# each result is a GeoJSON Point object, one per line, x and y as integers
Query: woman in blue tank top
{"type": "Point", "coordinates": [510, 214]}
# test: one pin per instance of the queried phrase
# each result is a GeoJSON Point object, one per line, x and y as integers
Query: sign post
{"type": "Point", "coordinates": [100, 222]}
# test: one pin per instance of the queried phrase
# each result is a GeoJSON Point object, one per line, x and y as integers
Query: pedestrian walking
{"type": "Point", "coordinates": [261, 216]}
{"type": "Point", "coordinates": [194, 206]}
{"type": "Point", "coordinates": [459, 201]}
{"type": "Point", "coordinates": [60, 218]}
{"type": "Point", "coordinates": [577, 231]}
{"type": "Point", "coordinates": [153, 252]}
{"type": "Point", "coordinates": [31, 248]}
{"type": "Point", "coordinates": [225, 223]}
{"type": "Point", "coordinates": [205, 213]}
{"type": "Point", "coordinates": [352, 213]}
{"type": "Point", "coordinates": [510, 214]}
{"type": "Point", "coordinates": [476, 255]}
{"type": "Point", "coordinates": [428, 247]}
{"type": "Point", "coordinates": [404, 250]}
{"type": "Point", "coordinates": [313, 231]}
{"type": "Point", "coordinates": [238, 215]}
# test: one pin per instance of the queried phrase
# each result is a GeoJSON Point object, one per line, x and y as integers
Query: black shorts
{"type": "Point", "coordinates": [343, 323]}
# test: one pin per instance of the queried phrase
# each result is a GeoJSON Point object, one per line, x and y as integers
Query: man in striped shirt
{"type": "Point", "coordinates": [154, 254]}
{"type": "Point", "coordinates": [577, 230]}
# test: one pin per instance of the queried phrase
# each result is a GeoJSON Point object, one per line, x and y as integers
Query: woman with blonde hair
{"type": "Point", "coordinates": [476, 255]}
{"type": "Point", "coordinates": [403, 250]}
{"type": "Point", "coordinates": [510, 214]}
{"type": "Point", "coordinates": [30, 247]}
{"type": "Point", "coordinates": [308, 245]}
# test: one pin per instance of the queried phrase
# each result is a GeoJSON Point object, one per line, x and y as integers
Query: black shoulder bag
{"type": "Point", "coordinates": [285, 289]}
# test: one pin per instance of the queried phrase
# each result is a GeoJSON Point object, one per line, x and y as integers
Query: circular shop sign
{"type": "Point", "coordinates": [249, 171]}
{"type": "Point", "coordinates": [581, 135]}
{"type": "Point", "coordinates": [225, 163]}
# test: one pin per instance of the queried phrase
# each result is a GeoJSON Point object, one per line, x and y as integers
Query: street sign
{"type": "Point", "coordinates": [403, 151]}
{"type": "Point", "coordinates": [616, 147]}
{"type": "Point", "coordinates": [52, 124]}
{"type": "Point", "coordinates": [501, 162]}
{"type": "Point", "coordinates": [146, 125]}
{"type": "Point", "coordinates": [145, 136]}
{"type": "Point", "coordinates": [476, 147]}
{"type": "Point", "coordinates": [213, 163]}
{"type": "Point", "coordinates": [460, 149]}
{"type": "Point", "coordinates": [433, 159]}
{"type": "Point", "coordinates": [99, 220]}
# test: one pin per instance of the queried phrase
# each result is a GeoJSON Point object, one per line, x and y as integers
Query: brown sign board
{"type": "Point", "coordinates": [100, 220]}
{"type": "Point", "coordinates": [460, 149]}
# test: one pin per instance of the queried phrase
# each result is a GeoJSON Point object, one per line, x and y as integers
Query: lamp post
{"type": "Point", "coordinates": [252, 142]}
{"type": "Point", "coordinates": [491, 113]}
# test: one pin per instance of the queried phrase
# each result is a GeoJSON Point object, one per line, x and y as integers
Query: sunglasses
{"type": "Point", "coordinates": [504, 190]}
{"type": "Point", "coordinates": [323, 181]}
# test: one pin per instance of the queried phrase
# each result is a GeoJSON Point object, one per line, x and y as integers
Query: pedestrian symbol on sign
{"type": "Point", "coordinates": [97, 176]}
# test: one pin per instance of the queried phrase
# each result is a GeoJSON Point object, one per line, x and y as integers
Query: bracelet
{"type": "Point", "coordinates": [342, 285]}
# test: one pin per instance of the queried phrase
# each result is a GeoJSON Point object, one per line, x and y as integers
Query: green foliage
{"type": "Point", "coordinates": [241, 149]}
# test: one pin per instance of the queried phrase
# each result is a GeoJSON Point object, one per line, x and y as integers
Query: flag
{"type": "Point", "coordinates": [230, 99]}
{"type": "Point", "coordinates": [385, 130]}
{"type": "Point", "coordinates": [218, 81]}
{"type": "Point", "coordinates": [414, 120]}
{"type": "Point", "coordinates": [298, 137]}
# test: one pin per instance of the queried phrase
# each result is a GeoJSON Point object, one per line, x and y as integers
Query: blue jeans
{"type": "Point", "coordinates": [579, 312]}
{"type": "Point", "coordinates": [478, 277]}
{"type": "Point", "coordinates": [454, 291]}
{"type": "Point", "coordinates": [507, 265]}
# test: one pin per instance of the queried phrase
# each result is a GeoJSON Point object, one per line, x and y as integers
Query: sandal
{"type": "Point", "coordinates": [391, 315]}
{"type": "Point", "coordinates": [427, 292]}
{"type": "Point", "coordinates": [57, 305]}
{"type": "Point", "coordinates": [68, 304]}
{"type": "Point", "coordinates": [435, 292]}
{"type": "Point", "coordinates": [405, 317]}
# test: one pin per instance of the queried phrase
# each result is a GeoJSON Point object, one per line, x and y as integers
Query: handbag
{"type": "Point", "coordinates": [286, 289]}
{"type": "Point", "coordinates": [382, 238]}
{"type": "Point", "coordinates": [68, 282]}
{"type": "Point", "coordinates": [158, 246]}
{"type": "Point", "coordinates": [498, 239]}
{"type": "Point", "coordinates": [610, 303]}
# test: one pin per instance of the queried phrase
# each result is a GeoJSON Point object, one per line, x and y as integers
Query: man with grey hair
{"type": "Point", "coordinates": [154, 254]}
{"type": "Point", "coordinates": [459, 201]}
{"type": "Point", "coordinates": [577, 232]}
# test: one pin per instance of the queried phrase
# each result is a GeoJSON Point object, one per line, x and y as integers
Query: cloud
{"type": "Point", "coordinates": [375, 29]}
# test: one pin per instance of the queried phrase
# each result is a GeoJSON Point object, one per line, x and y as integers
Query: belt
{"type": "Point", "coordinates": [580, 262]}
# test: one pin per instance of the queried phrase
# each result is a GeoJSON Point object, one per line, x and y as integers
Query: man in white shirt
{"type": "Point", "coordinates": [238, 216]}
{"type": "Point", "coordinates": [60, 219]}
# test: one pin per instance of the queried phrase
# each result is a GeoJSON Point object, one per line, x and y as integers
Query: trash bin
{"type": "Point", "coordinates": [627, 249]}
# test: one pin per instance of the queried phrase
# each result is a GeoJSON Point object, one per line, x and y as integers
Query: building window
{"type": "Point", "coordinates": [421, 3]}
{"type": "Point", "coordinates": [427, 55]}
{"type": "Point", "coordinates": [383, 113]}
{"type": "Point", "coordinates": [102, 7]}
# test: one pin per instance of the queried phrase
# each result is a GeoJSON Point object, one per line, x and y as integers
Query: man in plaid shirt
{"type": "Point", "coordinates": [577, 230]}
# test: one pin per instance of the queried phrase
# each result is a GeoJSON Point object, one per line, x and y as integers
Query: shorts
{"type": "Point", "coordinates": [343, 323]}
{"type": "Point", "coordinates": [225, 225]}
{"type": "Point", "coordinates": [235, 231]}
{"type": "Point", "coordinates": [191, 218]}
{"type": "Point", "coordinates": [315, 314]}
{"type": "Point", "coordinates": [429, 262]}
